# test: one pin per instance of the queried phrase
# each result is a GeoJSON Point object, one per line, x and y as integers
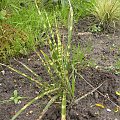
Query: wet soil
{"type": "Point", "coordinates": [104, 51]}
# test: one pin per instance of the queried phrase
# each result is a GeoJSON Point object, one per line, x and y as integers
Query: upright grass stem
{"type": "Point", "coordinates": [70, 27]}
{"type": "Point", "coordinates": [63, 113]}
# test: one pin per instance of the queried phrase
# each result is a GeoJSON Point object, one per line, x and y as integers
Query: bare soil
{"type": "Point", "coordinates": [105, 52]}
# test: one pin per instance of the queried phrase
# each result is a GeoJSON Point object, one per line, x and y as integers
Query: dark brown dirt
{"type": "Point", "coordinates": [105, 52]}
{"type": "Point", "coordinates": [84, 110]}
{"type": "Point", "coordinates": [105, 46]}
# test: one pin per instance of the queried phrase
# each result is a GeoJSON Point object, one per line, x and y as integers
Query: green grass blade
{"type": "Point", "coordinates": [69, 88]}
{"type": "Point", "coordinates": [29, 69]}
{"type": "Point", "coordinates": [50, 27]}
{"type": "Point", "coordinates": [53, 99]}
{"type": "Point", "coordinates": [32, 101]}
{"type": "Point", "coordinates": [51, 64]}
{"type": "Point", "coordinates": [47, 62]}
{"type": "Point", "coordinates": [70, 27]}
{"type": "Point", "coordinates": [37, 7]}
{"type": "Point", "coordinates": [73, 80]}
{"type": "Point", "coordinates": [73, 85]}
{"type": "Point", "coordinates": [63, 113]}
{"type": "Point", "coordinates": [23, 74]}
{"type": "Point", "coordinates": [59, 43]}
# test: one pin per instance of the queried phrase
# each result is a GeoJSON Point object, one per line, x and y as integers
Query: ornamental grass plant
{"type": "Point", "coordinates": [106, 11]}
{"type": "Point", "coordinates": [59, 67]}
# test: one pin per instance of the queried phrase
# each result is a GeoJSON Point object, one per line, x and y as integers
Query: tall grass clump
{"type": "Point", "coordinates": [59, 67]}
{"type": "Point", "coordinates": [106, 11]}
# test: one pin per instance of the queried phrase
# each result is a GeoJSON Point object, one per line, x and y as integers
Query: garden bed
{"type": "Point", "coordinates": [98, 105]}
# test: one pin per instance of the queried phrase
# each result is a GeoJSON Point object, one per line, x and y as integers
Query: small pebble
{"type": "Point", "coordinates": [36, 92]}
{"type": "Point", "coordinates": [3, 72]}
{"type": "Point", "coordinates": [31, 112]}
{"type": "Point", "coordinates": [96, 95]}
{"type": "Point", "coordinates": [108, 110]}
{"type": "Point", "coordinates": [29, 59]}
{"type": "Point", "coordinates": [97, 113]}
{"type": "Point", "coordinates": [19, 102]}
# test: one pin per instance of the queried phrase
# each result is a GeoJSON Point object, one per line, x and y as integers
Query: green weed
{"type": "Point", "coordinates": [14, 98]}
{"type": "Point", "coordinates": [95, 28]}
